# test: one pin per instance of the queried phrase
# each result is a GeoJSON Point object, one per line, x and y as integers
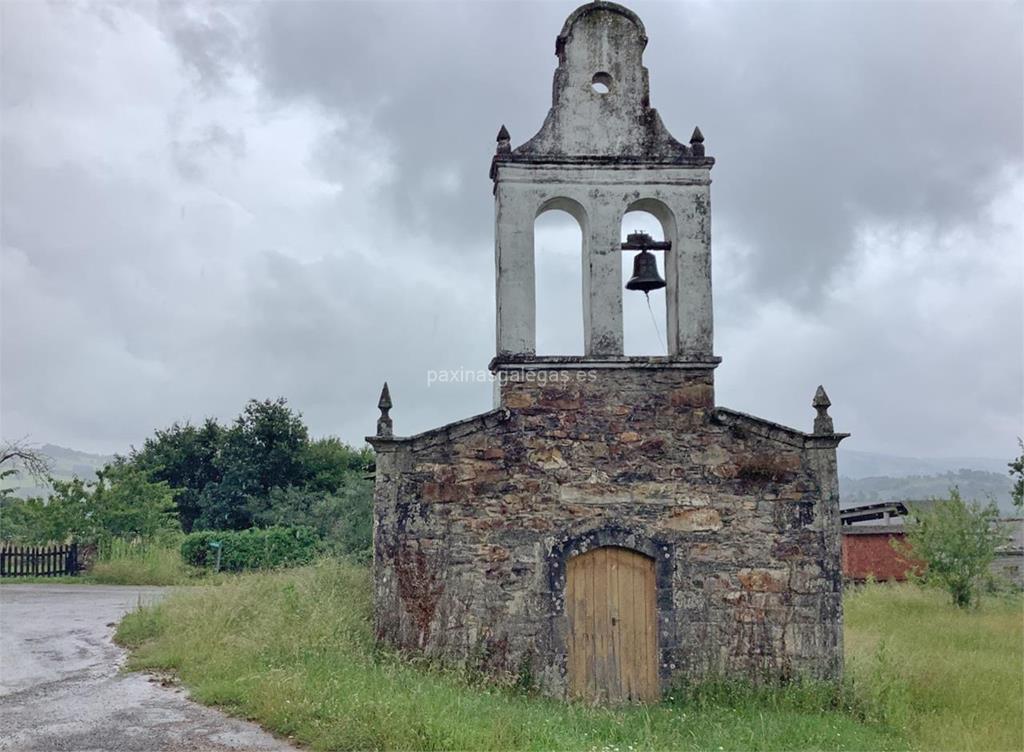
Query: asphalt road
{"type": "Point", "coordinates": [61, 687]}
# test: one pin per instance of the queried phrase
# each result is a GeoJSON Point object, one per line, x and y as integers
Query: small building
{"type": "Point", "coordinates": [608, 530]}
{"type": "Point", "coordinates": [869, 532]}
{"type": "Point", "coordinates": [1009, 563]}
{"type": "Point", "coordinates": [869, 553]}
{"type": "Point", "coordinates": [872, 534]}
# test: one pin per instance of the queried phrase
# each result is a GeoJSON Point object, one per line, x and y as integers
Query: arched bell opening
{"type": "Point", "coordinates": [644, 310]}
{"type": "Point", "coordinates": [559, 233]}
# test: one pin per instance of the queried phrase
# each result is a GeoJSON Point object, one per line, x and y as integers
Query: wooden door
{"type": "Point", "coordinates": [612, 641]}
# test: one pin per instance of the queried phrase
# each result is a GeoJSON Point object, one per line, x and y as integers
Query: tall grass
{"type": "Point", "coordinates": [952, 678]}
{"type": "Point", "coordinates": [139, 562]}
{"type": "Point", "coordinates": [294, 650]}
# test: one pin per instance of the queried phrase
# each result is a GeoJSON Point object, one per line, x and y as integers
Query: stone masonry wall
{"type": "Point", "coordinates": [475, 522]}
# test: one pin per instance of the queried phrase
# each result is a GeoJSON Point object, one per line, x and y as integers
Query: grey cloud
{"type": "Point", "coordinates": [860, 110]}
{"type": "Point", "coordinates": [189, 154]}
{"type": "Point", "coordinates": [306, 211]}
{"type": "Point", "coordinates": [211, 39]}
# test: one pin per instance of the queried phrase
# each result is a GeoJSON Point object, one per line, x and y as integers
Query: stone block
{"type": "Point", "coordinates": [765, 580]}
{"type": "Point", "coordinates": [693, 520]}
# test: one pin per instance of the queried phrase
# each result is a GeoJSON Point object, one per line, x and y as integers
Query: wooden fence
{"type": "Point", "coordinates": [38, 561]}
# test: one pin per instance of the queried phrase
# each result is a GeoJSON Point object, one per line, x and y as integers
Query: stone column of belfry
{"type": "Point", "coordinates": [514, 276]}
{"type": "Point", "coordinates": [688, 266]}
{"type": "Point", "coordinates": [602, 281]}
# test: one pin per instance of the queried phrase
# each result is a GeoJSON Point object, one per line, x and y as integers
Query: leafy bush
{"type": "Point", "coordinates": [250, 549]}
{"type": "Point", "coordinates": [957, 542]}
{"type": "Point", "coordinates": [343, 520]}
{"type": "Point", "coordinates": [122, 503]}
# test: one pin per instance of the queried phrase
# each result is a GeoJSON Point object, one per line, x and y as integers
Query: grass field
{"type": "Point", "coordinates": [960, 673]}
{"type": "Point", "coordinates": [294, 651]}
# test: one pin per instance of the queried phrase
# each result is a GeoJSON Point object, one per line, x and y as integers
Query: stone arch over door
{"type": "Point", "coordinates": [612, 635]}
{"type": "Point", "coordinates": [639, 541]}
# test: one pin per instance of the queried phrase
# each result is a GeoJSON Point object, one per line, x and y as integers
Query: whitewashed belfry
{"type": "Point", "coordinates": [604, 151]}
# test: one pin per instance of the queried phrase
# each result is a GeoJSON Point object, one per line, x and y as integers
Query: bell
{"type": "Point", "coordinates": [645, 273]}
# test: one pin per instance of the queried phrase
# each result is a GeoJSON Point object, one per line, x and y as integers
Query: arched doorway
{"type": "Point", "coordinates": [612, 643]}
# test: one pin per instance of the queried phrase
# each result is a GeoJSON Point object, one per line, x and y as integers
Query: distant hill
{"type": "Point", "coordinates": [854, 464]}
{"type": "Point", "coordinates": [867, 476]}
{"type": "Point", "coordinates": [65, 465]}
{"type": "Point", "coordinates": [974, 485]}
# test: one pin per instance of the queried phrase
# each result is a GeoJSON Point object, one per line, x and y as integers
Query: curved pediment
{"type": "Point", "coordinates": [601, 96]}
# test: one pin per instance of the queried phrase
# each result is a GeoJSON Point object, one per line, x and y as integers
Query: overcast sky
{"type": "Point", "coordinates": [207, 203]}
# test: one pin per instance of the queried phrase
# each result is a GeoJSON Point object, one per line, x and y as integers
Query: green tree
{"type": "Point", "coordinates": [62, 517]}
{"type": "Point", "coordinates": [187, 458]}
{"type": "Point", "coordinates": [343, 520]}
{"type": "Point", "coordinates": [261, 470]}
{"type": "Point", "coordinates": [330, 464]}
{"type": "Point", "coordinates": [1017, 475]}
{"type": "Point", "coordinates": [122, 503]}
{"type": "Point", "coordinates": [20, 518]}
{"type": "Point", "coordinates": [956, 542]}
{"type": "Point", "coordinates": [65, 515]}
{"type": "Point", "coordinates": [263, 450]}
{"type": "Point", "coordinates": [266, 446]}
{"type": "Point", "coordinates": [225, 505]}
{"type": "Point", "coordinates": [125, 503]}
{"type": "Point", "coordinates": [335, 499]}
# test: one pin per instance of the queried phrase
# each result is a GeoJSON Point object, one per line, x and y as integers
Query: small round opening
{"type": "Point", "coordinates": [601, 83]}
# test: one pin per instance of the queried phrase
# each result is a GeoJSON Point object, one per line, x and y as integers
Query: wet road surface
{"type": "Point", "coordinates": [61, 687]}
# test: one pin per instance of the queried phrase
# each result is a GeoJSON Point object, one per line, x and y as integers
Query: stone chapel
{"type": "Point", "coordinates": [608, 530]}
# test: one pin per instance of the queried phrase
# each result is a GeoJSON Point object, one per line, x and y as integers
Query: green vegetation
{"type": "Point", "coordinates": [260, 472]}
{"type": "Point", "coordinates": [958, 674]}
{"type": "Point", "coordinates": [957, 543]}
{"type": "Point", "coordinates": [237, 551]}
{"type": "Point", "coordinates": [121, 503]}
{"type": "Point", "coordinates": [294, 650]}
{"type": "Point", "coordinates": [136, 562]}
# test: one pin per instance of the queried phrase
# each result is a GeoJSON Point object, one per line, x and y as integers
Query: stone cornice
{"type": "Point", "coordinates": [692, 169]}
{"type": "Point", "coordinates": [772, 430]}
{"type": "Point", "coordinates": [441, 434]}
